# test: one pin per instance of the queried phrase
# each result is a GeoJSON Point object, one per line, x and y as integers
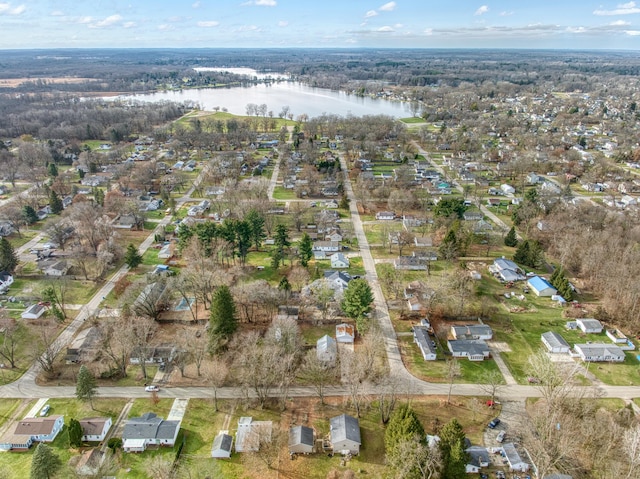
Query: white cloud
{"type": "Point", "coordinates": [506, 14]}
{"type": "Point", "coordinates": [387, 7]}
{"type": "Point", "coordinates": [57, 13]}
{"type": "Point", "coordinates": [428, 31]}
{"type": "Point", "coordinates": [620, 23]}
{"type": "Point", "coordinates": [628, 8]}
{"type": "Point", "coordinates": [129, 24]}
{"type": "Point", "coordinates": [482, 10]}
{"type": "Point", "coordinates": [283, 23]}
{"type": "Point", "coordinates": [85, 20]}
{"type": "Point", "coordinates": [7, 9]}
{"type": "Point", "coordinates": [385, 29]}
{"type": "Point", "coordinates": [196, 5]}
{"type": "Point", "coordinates": [107, 22]}
{"type": "Point", "coordinates": [576, 29]}
{"type": "Point", "coordinates": [633, 33]}
{"type": "Point", "coordinates": [262, 3]}
{"type": "Point", "coordinates": [370, 13]}
{"type": "Point", "coordinates": [247, 28]}
{"type": "Point", "coordinates": [165, 28]}
{"type": "Point", "coordinates": [208, 23]}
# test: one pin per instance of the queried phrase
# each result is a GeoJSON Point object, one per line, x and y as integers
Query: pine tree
{"type": "Point", "coordinates": [29, 214]}
{"type": "Point", "coordinates": [404, 424]}
{"type": "Point", "coordinates": [55, 203]}
{"type": "Point", "coordinates": [356, 302]}
{"type": "Point", "coordinates": [132, 258]}
{"type": "Point", "coordinates": [75, 433]}
{"type": "Point", "coordinates": [511, 239]}
{"type": "Point", "coordinates": [86, 387]}
{"type": "Point", "coordinates": [521, 256]}
{"type": "Point", "coordinates": [305, 249]}
{"type": "Point", "coordinates": [449, 246]}
{"type": "Point", "coordinates": [256, 222]}
{"type": "Point", "coordinates": [223, 321]}
{"type": "Point", "coordinates": [44, 462]}
{"type": "Point", "coordinates": [451, 446]}
{"type": "Point", "coordinates": [8, 257]}
{"type": "Point", "coordinates": [52, 170]}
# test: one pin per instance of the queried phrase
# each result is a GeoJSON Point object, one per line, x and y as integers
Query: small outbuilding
{"type": "Point", "coordinates": [327, 350]}
{"type": "Point", "coordinates": [34, 311]}
{"type": "Point", "coordinates": [345, 434]}
{"type": "Point", "coordinates": [589, 325]}
{"type": "Point", "coordinates": [541, 287]}
{"type": "Point", "coordinates": [555, 343]}
{"type": "Point", "coordinates": [301, 440]}
{"type": "Point", "coordinates": [345, 333]}
{"type": "Point", "coordinates": [222, 445]}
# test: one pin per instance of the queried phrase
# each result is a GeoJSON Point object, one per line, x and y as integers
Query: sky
{"type": "Point", "coordinates": [559, 24]}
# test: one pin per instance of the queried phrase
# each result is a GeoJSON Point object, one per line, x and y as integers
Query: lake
{"type": "Point", "coordinates": [298, 97]}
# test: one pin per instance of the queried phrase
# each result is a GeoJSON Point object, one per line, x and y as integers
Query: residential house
{"type": "Point", "coordinates": [30, 430]}
{"type": "Point", "coordinates": [334, 236]}
{"type": "Point", "coordinates": [421, 338]}
{"type": "Point", "coordinates": [598, 353]}
{"type": "Point", "coordinates": [385, 215]}
{"type": "Point", "coordinates": [34, 311]}
{"type": "Point", "coordinates": [541, 287]}
{"type": "Point", "coordinates": [6, 280]}
{"type": "Point", "coordinates": [288, 312]}
{"type": "Point", "coordinates": [339, 260]}
{"type": "Point", "coordinates": [127, 222]}
{"type": "Point", "coordinates": [251, 434]}
{"type": "Point", "coordinates": [85, 342]}
{"type": "Point", "coordinates": [6, 228]}
{"type": "Point", "coordinates": [345, 333]}
{"type": "Point", "coordinates": [533, 179]}
{"type": "Point", "coordinates": [58, 268]}
{"type": "Point", "coordinates": [472, 331]}
{"type": "Point", "coordinates": [410, 263]}
{"type": "Point", "coordinates": [472, 215]}
{"type": "Point", "coordinates": [148, 430]}
{"type": "Point", "coordinates": [555, 343]}
{"type": "Point", "coordinates": [301, 440]}
{"type": "Point", "coordinates": [222, 445]}
{"type": "Point", "coordinates": [166, 251]}
{"type": "Point", "coordinates": [515, 461]}
{"type": "Point", "coordinates": [327, 350]}
{"type": "Point", "coordinates": [95, 429]}
{"type": "Point", "coordinates": [345, 434]}
{"type": "Point", "coordinates": [423, 241]}
{"type": "Point", "coordinates": [473, 349]}
{"type": "Point", "coordinates": [326, 246]}
{"type": "Point", "coordinates": [414, 304]}
{"type": "Point", "coordinates": [478, 457]}
{"type": "Point", "coordinates": [506, 270]}
{"type": "Point", "coordinates": [339, 279]}
{"type": "Point", "coordinates": [507, 189]}
{"type": "Point", "coordinates": [589, 325]}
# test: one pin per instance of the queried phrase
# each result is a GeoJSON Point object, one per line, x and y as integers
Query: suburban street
{"type": "Point", "coordinates": [25, 387]}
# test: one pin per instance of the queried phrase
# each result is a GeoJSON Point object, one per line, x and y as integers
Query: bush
{"type": "Point", "coordinates": [114, 443]}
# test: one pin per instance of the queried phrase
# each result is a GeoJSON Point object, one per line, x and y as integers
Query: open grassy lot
{"type": "Point", "coordinates": [8, 408]}
{"type": "Point", "coordinates": [281, 193]}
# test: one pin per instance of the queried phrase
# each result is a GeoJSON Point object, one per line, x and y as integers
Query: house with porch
{"type": "Point", "coordinates": [148, 430]}
{"type": "Point", "coordinates": [424, 342]}
{"type": "Point", "coordinates": [472, 349]}
{"type": "Point", "coordinates": [30, 430]}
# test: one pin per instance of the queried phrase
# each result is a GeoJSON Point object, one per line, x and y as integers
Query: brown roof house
{"type": "Point", "coordinates": [30, 430]}
{"type": "Point", "coordinates": [95, 429]}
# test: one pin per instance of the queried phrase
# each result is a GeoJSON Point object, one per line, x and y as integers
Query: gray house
{"type": "Point", "coordinates": [345, 434]}
{"type": "Point", "coordinates": [327, 350]}
{"type": "Point", "coordinates": [148, 430]}
{"type": "Point", "coordinates": [473, 349]}
{"type": "Point", "coordinates": [555, 343]}
{"type": "Point", "coordinates": [301, 440]}
{"type": "Point", "coordinates": [421, 338]}
{"type": "Point", "coordinates": [515, 461]}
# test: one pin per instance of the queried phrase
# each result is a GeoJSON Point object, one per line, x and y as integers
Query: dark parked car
{"type": "Point", "coordinates": [494, 423]}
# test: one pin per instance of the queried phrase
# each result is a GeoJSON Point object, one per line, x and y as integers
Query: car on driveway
{"type": "Point", "coordinates": [494, 422]}
{"type": "Point", "coordinates": [152, 389]}
{"type": "Point", "coordinates": [501, 435]}
{"type": "Point", "coordinates": [45, 410]}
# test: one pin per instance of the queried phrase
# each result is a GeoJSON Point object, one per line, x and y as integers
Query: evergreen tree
{"type": "Point", "coordinates": [276, 259]}
{"type": "Point", "coordinates": [404, 424]}
{"type": "Point", "coordinates": [98, 196]}
{"type": "Point", "coordinates": [450, 207]}
{"type": "Point", "coordinates": [55, 203]}
{"type": "Point", "coordinates": [449, 247]}
{"type": "Point", "coordinates": [223, 321]}
{"type": "Point", "coordinates": [86, 387]}
{"type": "Point", "coordinates": [356, 302]}
{"type": "Point", "coordinates": [344, 203]}
{"type": "Point", "coordinates": [44, 462]}
{"type": "Point", "coordinates": [243, 239]}
{"type": "Point", "coordinates": [132, 258]}
{"type": "Point", "coordinates": [256, 223]}
{"type": "Point", "coordinates": [511, 239]}
{"type": "Point", "coordinates": [75, 433]}
{"type": "Point", "coordinates": [305, 249]}
{"type": "Point", "coordinates": [454, 458]}
{"type": "Point", "coordinates": [52, 170]}
{"type": "Point", "coordinates": [281, 239]}
{"type": "Point", "coordinates": [521, 256]}
{"type": "Point", "coordinates": [29, 214]}
{"type": "Point", "coordinates": [81, 173]}
{"type": "Point", "coordinates": [8, 257]}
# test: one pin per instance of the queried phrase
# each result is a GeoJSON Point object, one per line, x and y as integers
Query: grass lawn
{"type": "Point", "coordinates": [618, 374]}
{"type": "Point", "coordinates": [7, 408]}
{"type": "Point", "coordinates": [412, 119]}
{"type": "Point", "coordinates": [280, 193]}
{"type": "Point", "coordinates": [72, 408]}
{"type": "Point", "coordinates": [141, 406]}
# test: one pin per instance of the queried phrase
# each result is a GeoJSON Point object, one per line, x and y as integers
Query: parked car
{"type": "Point", "coordinates": [45, 410]}
{"type": "Point", "coordinates": [494, 422]}
{"type": "Point", "coordinates": [151, 389]}
{"type": "Point", "coordinates": [501, 435]}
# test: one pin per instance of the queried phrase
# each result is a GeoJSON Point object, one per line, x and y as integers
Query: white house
{"type": "Point", "coordinates": [385, 215]}
{"type": "Point", "coordinates": [148, 430]}
{"type": "Point", "coordinates": [598, 353]}
{"type": "Point", "coordinates": [515, 461]}
{"type": "Point", "coordinates": [327, 350]}
{"type": "Point", "coordinates": [250, 434]}
{"type": "Point", "coordinates": [6, 280]}
{"type": "Point", "coordinates": [506, 270]}
{"type": "Point", "coordinates": [473, 349]}
{"type": "Point", "coordinates": [339, 260]}
{"type": "Point", "coordinates": [345, 434]}
{"type": "Point", "coordinates": [507, 189]}
{"type": "Point", "coordinates": [345, 333]}
{"type": "Point", "coordinates": [555, 343]}
{"type": "Point", "coordinates": [95, 428]}
{"type": "Point", "coordinates": [589, 325]}
{"type": "Point", "coordinates": [301, 440]}
{"type": "Point", "coordinates": [421, 338]}
{"type": "Point", "coordinates": [478, 457]}
{"type": "Point", "coordinates": [326, 246]}
{"type": "Point", "coordinates": [541, 287]}
{"type": "Point", "coordinates": [34, 311]}
{"type": "Point", "coordinates": [472, 331]}
{"type": "Point", "coordinates": [59, 268]}
{"type": "Point", "coordinates": [166, 251]}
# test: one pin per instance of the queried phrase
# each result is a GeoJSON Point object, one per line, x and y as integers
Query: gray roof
{"type": "Point", "coordinates": [590, 323]}
{"type": "Point", "coordinates": [512, 454]}
{"type": "Point", "coordinates": [345, 427]}
{"type": "Point", "coordinates": [421, 334]}
{"type": "Point", "coordinates": [471, 346]}
{"type": "Point", "coordinates": [478, 454]}
{"type": "Point", "coordinates": [301, 435]}
{"type": "Point", "coordinates": [149, 426]}
{"type": "Point", "coordinates": [554, 340]}
{"type": "Point", "coordinates": [595, 350]}
{"type": "Point", "coordinates": [473, 330]}
{"type": "Point", "coordinates": [222, 442]}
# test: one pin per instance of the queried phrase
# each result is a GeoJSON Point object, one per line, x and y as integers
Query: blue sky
{"type": "Point", "coordinates": [572, 24]}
